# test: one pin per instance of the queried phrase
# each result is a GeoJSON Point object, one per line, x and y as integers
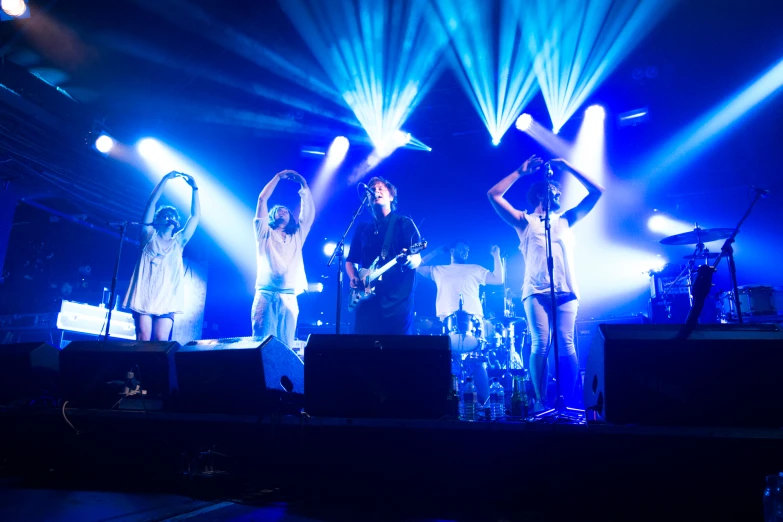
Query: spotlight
{"type": "Point", "coordinates": [401, 138]}
{"type": "Point", "coordinates": [149, 148]}
{"type": "Point", "coordinates": [340, 145]}
{"type": "Point", "coordinates": [14, 9]}
{"type": "Point", "coordinates": [104, 144]}
{"type": "Point", "coordinates": [595, 111]}
{"type": "Point", "coordinates": [658, 223]}
{"type": "Point", "coordinates": [315, 287]}
{"type": "Point", "coordinates": [525, 122]}
{"type": "Point", "coordinates": [329, 248]}
{"type": "Point", "coordinates": [495, 142]}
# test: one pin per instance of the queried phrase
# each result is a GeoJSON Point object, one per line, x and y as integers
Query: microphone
{"type": "Point", "coordinates": [548, 170]}
{"type": "Point", "coordinates": [367, 190]}
{"type": "Point", "coordinates": [461, 302]}
{"type": "Point", "coordinates": [171, 222]}
{"type": "Point", "coordinates": [762, 192]}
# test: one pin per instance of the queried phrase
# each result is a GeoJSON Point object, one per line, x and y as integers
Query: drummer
{"type": "Point", "coordinates": [458, 291]}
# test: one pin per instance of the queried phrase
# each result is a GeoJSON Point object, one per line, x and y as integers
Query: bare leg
{"type": "Point", "coordinates": [143, 327]}
{"type": "Point", "coordinates": [162, 329]}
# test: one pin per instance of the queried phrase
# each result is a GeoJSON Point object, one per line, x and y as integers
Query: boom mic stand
{"type": "Point", "coordinates": [703, 283]}
{"type": "Point", "coordinates": [123, 226]}
{"type": "Point", "coordinates": [339, 255]}
{"type": "Point", "coordinates": [559, 410]}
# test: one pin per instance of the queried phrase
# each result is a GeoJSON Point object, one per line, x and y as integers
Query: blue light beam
{"type": "Point", "coordinates": [685, 145]}
{"type": "Point", "coordinates": [382, 55]}
{"type": "Point", "coordinates": [576, 44]}
{"type": "Point", "coordinates": [496, 73]}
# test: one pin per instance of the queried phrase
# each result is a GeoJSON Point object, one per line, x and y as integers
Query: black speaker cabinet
{"type": "Point", "coordinates": [91, 372]}
{"type": "Point", "coordinates": [720, 375]}
{"type": "Point", "coordinates": [27, 369]}
{"type": "Point", "coordinates": [378, 376]}
{"type": "Point", "coordinates": [241, 375]}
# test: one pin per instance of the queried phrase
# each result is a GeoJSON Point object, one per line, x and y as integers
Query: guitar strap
{"type": "Point", "coordinates": [388, 239]}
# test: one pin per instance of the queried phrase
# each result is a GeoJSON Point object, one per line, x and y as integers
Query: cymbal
{"type": "Point", "coordinates": [698, 235]}
{"type": "Point", "coordinates": [703, 255]}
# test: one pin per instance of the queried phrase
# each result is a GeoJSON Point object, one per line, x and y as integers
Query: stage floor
{"type": "Point", "coordinates": [402, 470]}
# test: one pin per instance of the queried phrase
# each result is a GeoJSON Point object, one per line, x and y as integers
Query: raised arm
{"type": "Point", "coordinates": [306, 205]}
{"type": "Point", "coordinates": [262, 209]}
{"type": "Point", "coordinates": [594, 192]}
{"type": "Point", "coordinates": [152, 202]}
{"type": "Point", "coordinates": [496, 277]}
{"type": "Point", "coordinates": [506, 210]}
{"type": "Point", "coordinates": [424, 270]}
{"type": "Point", "coordinates": [195, 212]}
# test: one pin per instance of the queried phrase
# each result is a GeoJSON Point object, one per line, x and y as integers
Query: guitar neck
{"type": "Point", "coordinates": [379, 272]}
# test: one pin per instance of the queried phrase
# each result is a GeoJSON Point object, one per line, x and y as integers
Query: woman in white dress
{"type": "Point", "coordinates": [156, 290]}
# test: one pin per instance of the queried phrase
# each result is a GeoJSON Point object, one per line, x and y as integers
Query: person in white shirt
{"type": "Point", "coordinates": [458, 285]}
{"type": "Point", "coordinates": [280, 273]}
{"type": "Point", "coordinates": [536, 287]}
{"type": "Point", "coordinates": [157, 288]}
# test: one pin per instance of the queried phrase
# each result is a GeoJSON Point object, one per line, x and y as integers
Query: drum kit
{"type": "Point", "coordinates": [476, 340]}
{"type": "Point", "coordinates": [758, 303]}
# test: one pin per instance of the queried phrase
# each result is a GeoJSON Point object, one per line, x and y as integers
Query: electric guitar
{"type": "Point", "coordinates": [372, 274]}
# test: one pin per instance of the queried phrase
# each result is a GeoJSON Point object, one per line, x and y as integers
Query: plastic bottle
{"type": "Point", "coordinates": [456, 403]}
{"type": "Point", "coordinates": [469, 401]}
{"type": "Point", "coordinates": [497, 400]}
{"type": "Point", "coordinates": [769, 498]}
{"type": "Point", "coordinates": [516, 398]}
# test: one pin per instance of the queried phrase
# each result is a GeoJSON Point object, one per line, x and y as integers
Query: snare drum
{"type": "Point", "coordinates": [465, 330]}
{"type": "Point", "coordinates": [755, 300]}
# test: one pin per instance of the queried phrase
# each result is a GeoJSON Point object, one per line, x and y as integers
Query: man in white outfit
{"type": "Point", "coordinates": [280, 274]}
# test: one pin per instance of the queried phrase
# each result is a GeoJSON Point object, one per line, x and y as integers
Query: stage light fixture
{"type": "Point", "coordinates": [633, 117]}
{"type": "Point", "coordinates": [402, 138]}
{"type": "Point", "coordinates": [329, 248]}
{"type": "Point", "coordinates": [14, 9]}
{"type": "Point", "coordinates": [595, 111]}
{"type": "Point", "coordinates": [104, 144]}
{"type": "Point", "coordinates": [524, 122]}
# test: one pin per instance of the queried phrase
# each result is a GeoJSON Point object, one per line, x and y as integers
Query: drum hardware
{"type": "Point", "coordinates": [697, 236]}
{"type": "Point", "coordinates": [755, 301]}
{"type": "Point", "coordinates": [703, 282]}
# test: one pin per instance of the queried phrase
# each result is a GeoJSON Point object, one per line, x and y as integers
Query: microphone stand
{"type": "Point", "coordinates": [338, 254]}
{"type": "Point", "coordinates": [704, 275]}
{"type": "Point", "coordinates": [559, 409]}
{"type": "Point", "coordinates": [122, 225]}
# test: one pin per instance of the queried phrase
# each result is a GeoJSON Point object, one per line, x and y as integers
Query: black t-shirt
{"type": "Point", "coordinates": [394, 293]}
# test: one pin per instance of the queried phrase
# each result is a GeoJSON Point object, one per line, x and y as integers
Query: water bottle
{"type": "Point", "coordinates": [469, 401]}
{"type": "Point", "coordinates": [455, 407]}
{"type": "Point", "coordinates": [497, 400]}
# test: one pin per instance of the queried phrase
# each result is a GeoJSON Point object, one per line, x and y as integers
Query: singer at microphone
{"type": "Point", "coordinates": [547, 271]}
{"type": "Point", "coordinates": [368, 192]}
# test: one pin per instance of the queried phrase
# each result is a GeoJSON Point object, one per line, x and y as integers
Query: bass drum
{"type": "Point", "coordinates": [754, 300]}
{"type": "Point", "coordinates": [466, 332]}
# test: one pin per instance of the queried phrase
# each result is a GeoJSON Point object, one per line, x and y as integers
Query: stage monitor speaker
{"type": "Point", "coordinates": [378, 376]}
{"type": "Point", "coordinates": [93, 373]}
{"type": "Point", "coordinates": [587, 330]}
{"type": "Point", "coordinates": [721, 375]}
{"type": "Point", "coordinates": [27, 369]}
{"type": "Point", "coordinates": [241, 375]}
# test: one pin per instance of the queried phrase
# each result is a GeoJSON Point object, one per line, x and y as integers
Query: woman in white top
{"type": "Point", "coordinates": [536, 288]}
{"type": "Point", "coordinates": [156, 290]}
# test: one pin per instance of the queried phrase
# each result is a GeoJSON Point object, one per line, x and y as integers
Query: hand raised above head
{"type": "Point", "coordinates": [530, 165]}
{"type": "Point", "coordinates": [495, 250]}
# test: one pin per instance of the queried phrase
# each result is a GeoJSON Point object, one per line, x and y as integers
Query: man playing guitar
{"type": "Point", "coordinates": [390, 309]}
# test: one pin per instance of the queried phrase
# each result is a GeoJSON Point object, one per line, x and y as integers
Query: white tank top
{"type": "Point", "coordinates": [532, 244]}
